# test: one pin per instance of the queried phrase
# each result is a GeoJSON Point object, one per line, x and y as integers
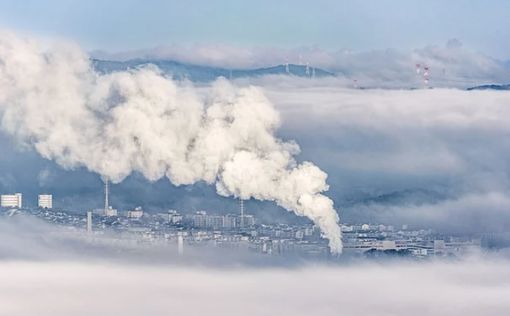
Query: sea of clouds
{"type": "Point", "coordinates": [47, 271]}
{"type": "Point", "coordinates": [472, 287]}
{"type": "Point", "coordinates": [449, 65]}
{"type": "Point", "coordinates": [435, 157]}
{"type": "Point", "coordinates": [431, 157]}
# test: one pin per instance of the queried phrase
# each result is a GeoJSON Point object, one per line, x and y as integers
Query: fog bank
{"type": "Point", "coordinates": [435, 288]}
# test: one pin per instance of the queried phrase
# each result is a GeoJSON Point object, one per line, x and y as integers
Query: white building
{"type": "Point", "coordinates": [136, 213]}
{"type": "Point", "coordinates": [174, 217]}
{"type": "Point", "coordinates": [229, 221]}
{"type": "Point", "coordinates": [214, 221]}
{"type": "Point", "coordinates": [248, 220]}
{"type": "Point", "coordinates": [11, 200]}
{"type": "Point", "coordinates": [200, 219]}
{"type": "Point", "coordinates": [386, 245]}
{"type": "Point", "coordinates": [110, 212]}
{"type": "Point", "coordinates": [45, 201]}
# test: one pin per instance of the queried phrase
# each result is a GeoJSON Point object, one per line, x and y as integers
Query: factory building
{"type": "Point", "coordinates": [110, 212]}
{"type": "Point", "coordinates": [45, 201]}
{"type": "Point", "coordinates": [136, 213]}
{"type": "Point", "coordinates": [11, 200]}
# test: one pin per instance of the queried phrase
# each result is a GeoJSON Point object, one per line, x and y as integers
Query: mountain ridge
{"type": "Point", "coordinates": [199, 73]}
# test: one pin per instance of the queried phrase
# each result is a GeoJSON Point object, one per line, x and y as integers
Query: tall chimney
{"type": "Point", "coordinates": [106, 206]}
{"type": "Point", "coordinates": [89, 222]}
{"type": "Point", "coordinates": [241, 206]}
{"type": "Point", "coordinates": [180, 244]}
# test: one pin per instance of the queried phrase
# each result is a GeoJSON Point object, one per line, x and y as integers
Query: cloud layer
{"type": "Point", "coordinates": [451, 145]}
{"type": "Point", "coordinates": [449, 65]}
{"type": "Point", "coordinates": [435, 288]}
{"type": "Point", "coordinates": [46, 270]}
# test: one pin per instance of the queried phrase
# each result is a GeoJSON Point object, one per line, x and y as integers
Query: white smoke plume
{"type": "Point", "coordinates": [115, 124]}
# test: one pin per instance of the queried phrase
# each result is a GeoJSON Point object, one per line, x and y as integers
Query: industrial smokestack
{"type": "Point", "coordinates": [140, 121]}
{"type": "Point", "coordinates": [89, 222]}
{"type": "Point", "coordinates": [241, 207]}
{"type": "Point", "coordinates": [180, 244]}
{"type": "Point", "coordinates": [106, 205]}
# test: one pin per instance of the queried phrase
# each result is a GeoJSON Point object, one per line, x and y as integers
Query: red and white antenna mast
{"type": "Point", "coordinates": [426, 76]}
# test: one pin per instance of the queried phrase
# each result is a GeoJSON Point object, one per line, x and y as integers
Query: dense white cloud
{"type": "Point", "coordinates": [46, 270]}
{"type": "Point", "coordinates": [140, 121]}
{"type": "Point", "coordinates": [473, 287]}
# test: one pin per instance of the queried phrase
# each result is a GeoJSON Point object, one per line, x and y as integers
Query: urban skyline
{"type": "Point", "coordinates": [232, 230]}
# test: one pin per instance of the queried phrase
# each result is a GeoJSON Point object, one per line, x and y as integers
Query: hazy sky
{"type": "Point", "coordinates": [358, 25]}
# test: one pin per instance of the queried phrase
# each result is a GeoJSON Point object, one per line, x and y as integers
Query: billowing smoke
{"type": "Point", "coordinates": [115, 124]}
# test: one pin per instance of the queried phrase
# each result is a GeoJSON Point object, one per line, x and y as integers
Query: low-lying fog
{"type": "Point", "coordinates": [472, 287]}
{"type": "Point", "coordinates": [60, 275]}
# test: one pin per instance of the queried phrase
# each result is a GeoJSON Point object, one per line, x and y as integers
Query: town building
{"type": "Point", "coordinates": [45, 201]}
{"type": "Point", "coordinates": [11, 200]}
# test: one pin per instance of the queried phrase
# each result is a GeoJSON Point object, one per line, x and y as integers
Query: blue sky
{"type": "Point", "coordinates": [358, 25]}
